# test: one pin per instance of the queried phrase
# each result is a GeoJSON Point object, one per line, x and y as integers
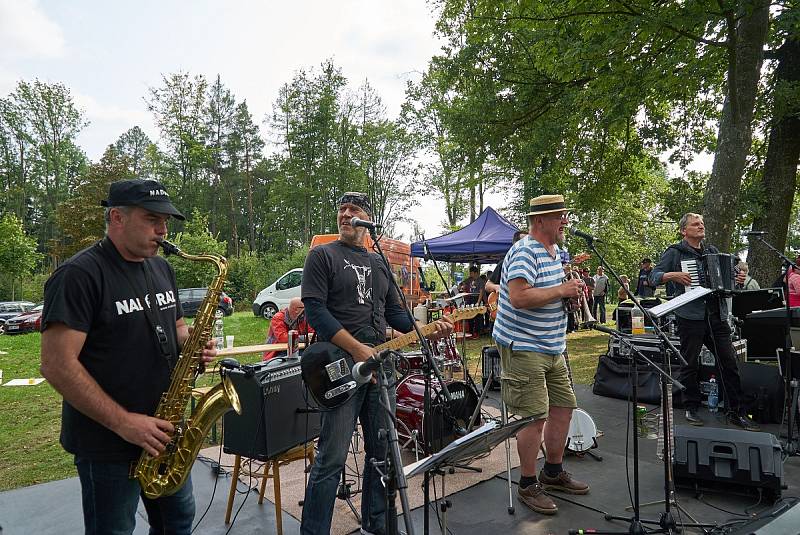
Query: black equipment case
{"type": "Point", "coordinates": [490, 360]}
{"type": "Point", "coordinates": [730, 460]}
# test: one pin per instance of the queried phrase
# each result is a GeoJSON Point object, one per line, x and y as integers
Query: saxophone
{"type": "Point", "coordinates": [165, 474]}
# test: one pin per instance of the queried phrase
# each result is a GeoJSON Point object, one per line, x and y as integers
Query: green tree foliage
{"type": "Point", "coordinates": [579, 96]}
{"type": "Point", "coordinates": [80, 217]}
{"type": "Point", "coordinates": [195, 239]}
{"type": "Point", "coordinates": [40, 160]}
{"type": "Point", "coordinates": [18, 256]}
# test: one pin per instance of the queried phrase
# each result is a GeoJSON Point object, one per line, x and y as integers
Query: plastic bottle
{"type": "Point", "coordinates": [219, 334]}
{"type": "Point", "coordinates": [637, 321]}
{"type": "Point", "coordinates": [713, 395]}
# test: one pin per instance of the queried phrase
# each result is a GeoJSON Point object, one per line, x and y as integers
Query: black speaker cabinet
{"type": "Point", "coordinates": [275, 416]}
{"type": "Point", "coordinates": [762, 391]}
{"type": "Point", "coordinates": [728, 460]}
{"type": "Point", "coordinates": [490, 361]}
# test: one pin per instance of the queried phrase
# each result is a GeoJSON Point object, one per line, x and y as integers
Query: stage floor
{"type": "Point", "coordinates": [54, 508]}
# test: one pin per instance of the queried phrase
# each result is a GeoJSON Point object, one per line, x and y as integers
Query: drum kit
{"type": "Point", "coordinates": [429, 432]}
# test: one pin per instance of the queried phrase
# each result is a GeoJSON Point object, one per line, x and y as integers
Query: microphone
{"type": "Point", "coordinates": [585, 235]}
{"type": "Point", "coordinates": [756, 232]}
{"type": "Point", "coordinates": [362, 371]}
{"type": "Point", "coordinates": [229, 363]}
{"type": "Point", "coordinates": [356, 222]}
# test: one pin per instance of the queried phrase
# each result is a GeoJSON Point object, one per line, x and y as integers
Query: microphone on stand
{"type": "Point", "coordinates": [356, 222]}
{"type": "Point", "coordinates": [585, 235]}
{"type": "Point", "coordinates": [362, 371]}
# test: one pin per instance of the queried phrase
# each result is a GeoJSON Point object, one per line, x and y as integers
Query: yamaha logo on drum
{"type": "Point", "coordinates": [458, 394]}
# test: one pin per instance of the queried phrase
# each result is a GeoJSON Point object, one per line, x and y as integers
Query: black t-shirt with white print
{"type": "Point", "coordinates": [342, 278]}
{"type": "Point", "coordinates": [103, 295]}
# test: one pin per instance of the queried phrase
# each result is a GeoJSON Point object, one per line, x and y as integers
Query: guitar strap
{"type": "Point", "coordinates": [375, 319]}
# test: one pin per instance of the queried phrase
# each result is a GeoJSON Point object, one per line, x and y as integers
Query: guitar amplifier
{"type": "Point", "coordinates": [275, 416]}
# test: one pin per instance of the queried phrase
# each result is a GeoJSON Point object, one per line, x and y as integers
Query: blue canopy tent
{"type": "Point", "coordinates": [484, 241]}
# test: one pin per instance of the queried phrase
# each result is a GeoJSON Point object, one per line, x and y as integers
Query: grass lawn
{"type": "Point", "coordinates": [30, 418]}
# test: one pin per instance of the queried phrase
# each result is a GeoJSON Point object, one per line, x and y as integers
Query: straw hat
{"type": "Point", "coordinates": [547, 204]}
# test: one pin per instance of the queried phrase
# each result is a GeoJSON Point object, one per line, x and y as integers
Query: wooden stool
{"type": "Point", "coordinates": [303, 451]}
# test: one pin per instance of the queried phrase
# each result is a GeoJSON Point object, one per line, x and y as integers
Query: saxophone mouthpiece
{"type": "Point", "coordinates": [169, 248]}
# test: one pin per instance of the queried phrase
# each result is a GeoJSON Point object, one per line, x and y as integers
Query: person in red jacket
{"type": "Point", "coordinates": [290, 318]}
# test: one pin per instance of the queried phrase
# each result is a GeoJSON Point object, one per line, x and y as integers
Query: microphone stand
{"type": "Point", "coordinates": [393, 475]}
{"type": "Point", "coordinates": [790, 383]}
{"type": "Point", "coordinates": [429, 366]}
{"type": "Point", "coordinates": [666, 520]}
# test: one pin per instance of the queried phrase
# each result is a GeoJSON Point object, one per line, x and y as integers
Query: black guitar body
{"type": "Point", "coordinates": [327, 370]}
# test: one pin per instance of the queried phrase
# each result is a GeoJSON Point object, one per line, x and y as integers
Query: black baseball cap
{"type": "Point", "coordinates": [147, 194]}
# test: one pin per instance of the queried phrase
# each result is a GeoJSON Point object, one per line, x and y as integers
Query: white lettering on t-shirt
{"type": "Point", "coordinates": [128, 306]}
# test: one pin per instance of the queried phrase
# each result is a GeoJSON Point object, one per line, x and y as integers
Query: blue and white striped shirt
{"type": "Point", "coordinates": [540, 329]}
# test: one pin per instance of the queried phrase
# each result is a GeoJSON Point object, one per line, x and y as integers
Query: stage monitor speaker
{"type": "Point", "coordinates": [275, 416]}
{"type": "Point", "coordinates": [781, 519]}
{"type": "Point", "coordinates": [728, 460]}
{"type": "Point", "coordinates": [490, 360]}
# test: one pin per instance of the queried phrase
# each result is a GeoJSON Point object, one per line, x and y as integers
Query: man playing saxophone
{"type": "Point", "coordinates": [112, 329]}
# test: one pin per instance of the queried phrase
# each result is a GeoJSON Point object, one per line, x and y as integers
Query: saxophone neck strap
{"type": "Point", "coordinates": [153, 317]}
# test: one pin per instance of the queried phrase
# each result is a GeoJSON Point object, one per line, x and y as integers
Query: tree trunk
{"type": "Point", "coordinates": [735, 132]}
{"type": "Point", "coordinates": [780, 173]}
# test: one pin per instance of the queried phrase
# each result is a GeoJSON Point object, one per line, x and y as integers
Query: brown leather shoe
{"type": "Point", "coordinates": [534, 497]}
{"type": "Point", "coordinates": [563, 482]}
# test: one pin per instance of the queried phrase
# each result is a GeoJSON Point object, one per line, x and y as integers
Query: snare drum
{"type": "Point", "coordinates": [411, 411]}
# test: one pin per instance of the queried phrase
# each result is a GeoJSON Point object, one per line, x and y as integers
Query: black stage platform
{"type": "Point", "coordinates": [54, 508]}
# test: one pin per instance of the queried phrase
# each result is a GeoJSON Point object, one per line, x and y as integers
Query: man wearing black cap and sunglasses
{"type": "Point", "coordinates": [112, 329]}
{"type": "Point", "coordinates": [348, 296]}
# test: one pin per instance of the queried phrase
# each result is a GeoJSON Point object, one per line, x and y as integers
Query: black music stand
{"type": "Point", "coordinates": [463, 450]}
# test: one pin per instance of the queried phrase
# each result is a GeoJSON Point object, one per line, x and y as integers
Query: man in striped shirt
{"type": "Point", "coordinates": [530, 335]}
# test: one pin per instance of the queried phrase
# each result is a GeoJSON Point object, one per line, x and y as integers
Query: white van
{"type": "Point", "coordinates": [276, 296]}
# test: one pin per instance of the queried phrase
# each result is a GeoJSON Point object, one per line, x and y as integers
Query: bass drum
{"type": "Point", "coordinates": [413, 422]}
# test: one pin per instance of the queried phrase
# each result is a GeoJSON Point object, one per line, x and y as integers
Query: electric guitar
{"type": "Point", "coordinates": [327, 368]}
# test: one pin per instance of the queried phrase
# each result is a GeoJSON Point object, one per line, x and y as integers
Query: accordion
{"type": "Point", "coordinates": [716, 271]}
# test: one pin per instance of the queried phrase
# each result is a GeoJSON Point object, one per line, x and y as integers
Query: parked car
{"type": "Point", "coordinates": [277, 295]}
{"type": "Point", "coordinates": [192, 298]}
{"type": "Point", "coordinates": [9, 309]}
{"type": "Point", "coordinates": [27, 322]}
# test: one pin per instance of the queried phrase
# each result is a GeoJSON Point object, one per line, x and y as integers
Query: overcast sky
{"type": "Point", "coordinates": [109, 53]}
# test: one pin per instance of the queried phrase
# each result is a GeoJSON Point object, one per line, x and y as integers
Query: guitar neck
{"type": "Point", "coordinates": [402, 341]}
{"type": "Point", "coordinates": [427, 330]}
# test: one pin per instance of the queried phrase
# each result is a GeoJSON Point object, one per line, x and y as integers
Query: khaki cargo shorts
{"type": "Point", "coordinates": [532, 382]}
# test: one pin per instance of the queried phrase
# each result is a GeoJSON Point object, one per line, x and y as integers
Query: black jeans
{"type": "Point", "coordinates": [716, 335]}
{"type": "Point", "coordinates": [599, 304]}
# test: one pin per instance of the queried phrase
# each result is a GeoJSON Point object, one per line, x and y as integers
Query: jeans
{"type": "Point", "coordinates": [334, 442]}
{"type": "Point", "coordinates": [110, 499]}
{"type": "Point", "coordinates": [599, 303]}
{"type": "Point", "coordinates": [716, 335]}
